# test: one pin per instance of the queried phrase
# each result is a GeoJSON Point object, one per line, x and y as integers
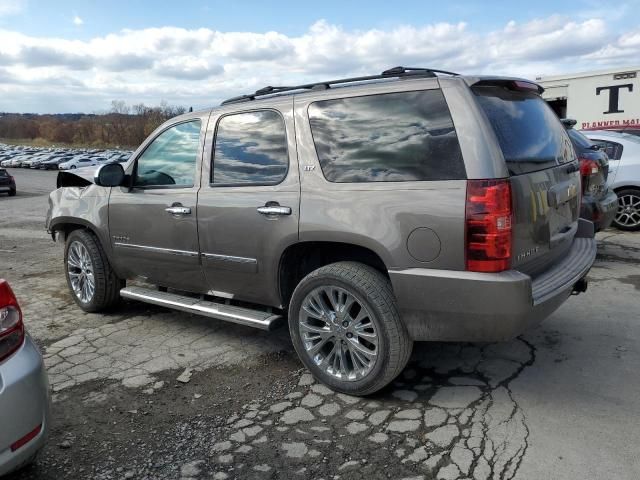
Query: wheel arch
{"type": "Point", "coordinates": [301, 258]}
{"type": "Point", "coordinates": [627, 186]}
{"type": "Point", "coordinates": [64, 226]}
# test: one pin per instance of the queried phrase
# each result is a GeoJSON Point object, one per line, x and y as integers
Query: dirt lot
{"type": "Point", "coordinates": [561, 401]}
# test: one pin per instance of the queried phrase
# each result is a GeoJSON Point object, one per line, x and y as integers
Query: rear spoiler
{"type": "Point", "coordinates": [512, 83]}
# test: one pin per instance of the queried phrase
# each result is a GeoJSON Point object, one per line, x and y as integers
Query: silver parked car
{"type": "Point", "coordinates": [371, 212]}
{"type": "Point", "coordinates": [24, 389]}
{"type": "Point", "coordinates": [623, 150]}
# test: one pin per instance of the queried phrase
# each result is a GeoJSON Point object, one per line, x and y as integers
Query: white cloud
{"type": "Point", "coordinates": [77, 20]}
{"type": "Point", "coordinates": [200, 67]}
{"type": "Point", "coordinates": [11, 7]}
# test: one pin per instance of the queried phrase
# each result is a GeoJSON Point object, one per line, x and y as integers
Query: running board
{"type": "Point", "coordinates": [220, 311]}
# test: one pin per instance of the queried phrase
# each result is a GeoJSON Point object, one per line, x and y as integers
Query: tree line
{"type": "Point", "coordinates": [122, 126]}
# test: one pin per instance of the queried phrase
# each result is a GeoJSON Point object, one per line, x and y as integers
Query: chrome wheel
{"type": "Point", "coordinates": [80, 270]}
{"type": "Point", "coordinates": [628, 214]}
{"type": "Point", "coordinates": [338, 333]}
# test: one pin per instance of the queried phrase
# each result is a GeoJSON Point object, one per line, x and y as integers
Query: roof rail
{"type": "Point", "coordinates": [396, 72]}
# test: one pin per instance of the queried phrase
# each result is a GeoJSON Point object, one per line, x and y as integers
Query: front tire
{"type": "Point", "coordinates": [346, 328]}
{"type": "Point", "coordinates": [12, 193]}
{"type": "Point", "coordinates": [93, 283]}
{"type": "Point", "coordinates": [628, 214]}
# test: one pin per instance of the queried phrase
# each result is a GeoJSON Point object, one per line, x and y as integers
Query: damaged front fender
{"type": "Point", "coordinates": [79, 206]}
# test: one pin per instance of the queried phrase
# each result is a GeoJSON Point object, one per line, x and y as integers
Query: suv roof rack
{"type": "Point", "coordinates": [396, 72]}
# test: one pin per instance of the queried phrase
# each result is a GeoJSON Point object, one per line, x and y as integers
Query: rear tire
{"type": "Point", "coordinates": [93, 283]}
{"type": "Point", "coordinates": [628, 214]}
{"type": "Point", "coordinates": [12, 193]}
{"type": "Point", "coordinates": [371, 349]}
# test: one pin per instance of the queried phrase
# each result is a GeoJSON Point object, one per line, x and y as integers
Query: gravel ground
{"type": "Point", "coordinates": [561, 401]}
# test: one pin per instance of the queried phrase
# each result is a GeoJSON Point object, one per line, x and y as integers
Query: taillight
{"type": "Point", "coordinates": [587, 169]}
{"type": "Point", "coordinates": [11, 326]}
{"type": "Point", "coordinates": [488, 224]}
{"type": "Point", "coordinates": [26, 439]}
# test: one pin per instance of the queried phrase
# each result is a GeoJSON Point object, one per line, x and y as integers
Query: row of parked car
{"type": "Point", "coordinates": [57, 158]}
{"type": "Point", "coordinates": [610, 170]}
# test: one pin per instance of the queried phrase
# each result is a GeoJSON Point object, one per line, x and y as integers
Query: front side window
{"type": "Point", "coordinates": [250, 149]}
{"type": "Point", "coordinates": [394, 137]}
{"type": "Point", "coordinates": [170, 160]}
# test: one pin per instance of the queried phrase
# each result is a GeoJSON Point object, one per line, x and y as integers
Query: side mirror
{"type": "Point", "coordinates": [109, 175]}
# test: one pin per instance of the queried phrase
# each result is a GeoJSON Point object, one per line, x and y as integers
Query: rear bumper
{"type": "Point", "coordinates": [600, 211]}
{"type": "Point", "coordinates": [24, 404]}
{"type": "Point", "coordinates": [447, 305]}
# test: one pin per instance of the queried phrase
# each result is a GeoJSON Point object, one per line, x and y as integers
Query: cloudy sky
{"type": "Point", "coordinates": [77, 56]}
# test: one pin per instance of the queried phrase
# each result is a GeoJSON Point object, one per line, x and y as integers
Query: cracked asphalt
{"type": "Point", "coordinates": [144, 392]}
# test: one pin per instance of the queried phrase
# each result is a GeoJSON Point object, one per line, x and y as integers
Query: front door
{"type": "Point", "coordinates": [153, 224]}
{"type": "Point", "coordinates": [248, 207]}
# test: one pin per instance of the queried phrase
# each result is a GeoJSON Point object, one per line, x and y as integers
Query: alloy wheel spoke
{"type": "Point", "coordinates": [80, 271]}
{"type": "Point", "coordinates": [329, 358]}
{"type": "Point", "coordinates": [312, 311]}
{"type": "Point", "coordinates": [316, 347]}
{"type": "Point", "coordinates": [338, 333]}
{"type": "Point", "coordinates": [318, 303]}
{"type": "Point", "coordinates": [322, 331]}
{"type": "Point", "coordinates": [359, 359]}
{"type": "Point", "coordinates": [356, 345]}
{"type": "Point", "coordinates": [343, 361]}
{"type": "Point", "coordinates": [73, 260]}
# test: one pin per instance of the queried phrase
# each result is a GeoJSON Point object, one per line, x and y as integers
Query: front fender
{"type": "Point", "coordinates": [85, 207]}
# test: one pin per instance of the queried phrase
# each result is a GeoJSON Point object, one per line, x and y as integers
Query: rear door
{"type": "Point", "coordinates": [248, 206]}
{"type": "Point", "coordinates": [545, 178]}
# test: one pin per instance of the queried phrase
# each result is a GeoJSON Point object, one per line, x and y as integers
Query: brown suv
{"type": "Point", "coordinates": [372, 212]}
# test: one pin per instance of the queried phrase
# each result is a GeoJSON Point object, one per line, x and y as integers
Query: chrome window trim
{"type": "Point", "coordinates": [184, 253]}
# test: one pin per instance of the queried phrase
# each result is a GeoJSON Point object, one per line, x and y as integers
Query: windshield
{"type": "Point", "coordinates": [530, 135]}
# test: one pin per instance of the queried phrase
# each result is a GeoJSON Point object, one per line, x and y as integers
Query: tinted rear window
{"type": "Point", "coordinates": [530, 135]}
{"type": "Point", "coordinates": [250, 149]}
{"type": "Point", "coordinates": [579, 140]}
{"type": "Point", "coordinates": [393, 137]}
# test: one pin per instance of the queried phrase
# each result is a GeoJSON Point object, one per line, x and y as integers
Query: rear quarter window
{"type": "Point", "coordinates": [612, 149]}
{"type": "Point", "coordinates": [580, 142]}
{"type": "Point", "coordinates": [530, 134]}
{"type": "Point", "coordinates": [394, 137]}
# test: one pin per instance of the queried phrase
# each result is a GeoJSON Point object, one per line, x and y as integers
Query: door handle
{"type": "Point", "coordinates": [276, 209]}
{"type": "Point", "coordinates": [176, 210]}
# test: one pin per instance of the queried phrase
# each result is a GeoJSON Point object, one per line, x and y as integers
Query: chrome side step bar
{"type": "Point", "coordinates": [220, 311]}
